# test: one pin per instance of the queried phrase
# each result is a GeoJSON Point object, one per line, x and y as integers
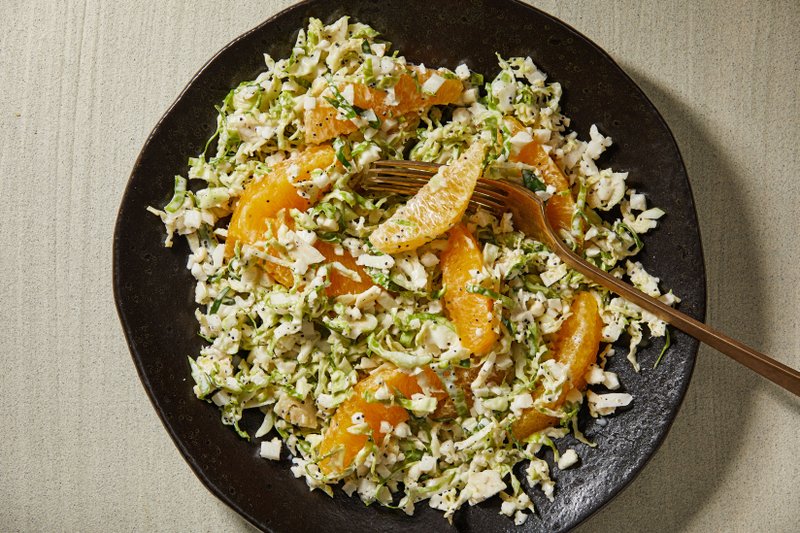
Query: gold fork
{"type": "Point", "coordinates": [527, 209]}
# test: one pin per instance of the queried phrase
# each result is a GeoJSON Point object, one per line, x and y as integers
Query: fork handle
{"type": "Point", "coordinates": [777, 372]}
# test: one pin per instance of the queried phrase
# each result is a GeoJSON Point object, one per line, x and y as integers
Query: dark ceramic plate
{"type": "Point", "coordinates": [154, 292]}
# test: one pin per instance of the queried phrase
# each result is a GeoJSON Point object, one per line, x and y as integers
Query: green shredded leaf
{"type": "Point", "coordinates": [178, 196]}
{"type": "Point", "coordinates": [218, 301]}
{"type": "Point", "coordinates": [620, 228]}
{"type": "Point", "coordinates": [372, 119]}
{"type": "Point", "coordinates": [664, 349]}
{"type": "Point", "coordinates": [430, 317]}
{"type": "Point", "coordinates": [397, 357]}
{"type": "Point", "coordinates": [476, 79]}
{"type": "Point", "coordinates": [392, 284]}
{"type": "Point", "coordinates": [534, 339]}
{"type": "Point", "coordinates": [502, 298]}
{"type": "Point", "coordinates": [204, 384]}
{"type": "Point", "coordinates": [340, 102]}
{"type": "Point", "coordinates": [339, 146]}
{"type": "Point", "coordinates": [439, 294]}
{"type": "Point", "coordinates": [383, 279]}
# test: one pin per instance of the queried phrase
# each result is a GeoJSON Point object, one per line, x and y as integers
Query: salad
{"type": "Point", "coordinates": [407, 349]}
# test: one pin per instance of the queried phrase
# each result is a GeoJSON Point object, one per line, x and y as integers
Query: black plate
{"type": "Point", "coordinates": [154, 292]}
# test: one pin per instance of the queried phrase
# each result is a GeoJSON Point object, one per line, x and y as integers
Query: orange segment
{"type": "Point", "coordinates": [342, 445]}
{"type": "Point", "coordinates": [279, 273]}
{"type": "Point", "coordinates": [436, 207]}
{"type": "Point", "coordinates": [533, 154]}
{"type": "Point", "coordinates": [263, 199]}
{"type": "Point", "coordinates": [560, 207]}
{"type": "Point", "coordinates": [530, 422]}
{"type": "Point", "coordinates": [577, 342]}
{"type": "Point", "coordinates": [463, 379]}
{"type": "Point", "coordinates": [341, 284]}
{"type": "Point", "coordinates": [265, 204]}
{"type": "Point", "coordinates": [409, 96]}
{"type": "Point", "coordinates": [575, 345]}
{"type": "Point", "coordinates": [472, 314]}
{"type": "Point", "coordinates": [321, 123]}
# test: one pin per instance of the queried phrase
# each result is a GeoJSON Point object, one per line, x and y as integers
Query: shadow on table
{"type": "Point", "coordinates": [706, 436]}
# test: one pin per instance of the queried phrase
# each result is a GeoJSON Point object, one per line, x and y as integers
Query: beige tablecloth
{"type": "Point", "coordinates": [84, 81]}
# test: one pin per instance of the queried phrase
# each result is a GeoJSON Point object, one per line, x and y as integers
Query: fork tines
{"type": "Point", "coordinates": [407, 177]}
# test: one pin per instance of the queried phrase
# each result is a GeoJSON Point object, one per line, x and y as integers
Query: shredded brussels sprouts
{"type": "Point", "coordinates": [295, 354]}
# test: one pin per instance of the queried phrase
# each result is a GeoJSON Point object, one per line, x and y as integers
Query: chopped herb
{"type": "Point", "coordinates": [532, 181]}
{"type": "Point", "coordinates": [339, 102]}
